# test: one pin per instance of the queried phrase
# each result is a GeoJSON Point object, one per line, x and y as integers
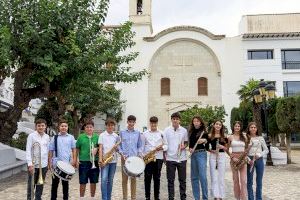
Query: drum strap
{"type": "Point", "coordinates": [55, 145]}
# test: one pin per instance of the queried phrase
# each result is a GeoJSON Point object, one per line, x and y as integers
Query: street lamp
{"type": "Point", "coordinates": [261, 95]}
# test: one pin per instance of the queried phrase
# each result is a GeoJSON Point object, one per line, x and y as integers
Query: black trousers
{"type": "Point", "coordinates": [65, 187]}
{"type": "Point", "coordinates": [152, 170]}
{"type": "Point", "coordinates": [171, 169]}
{"type": "Point", "coordinates": [38, 188]}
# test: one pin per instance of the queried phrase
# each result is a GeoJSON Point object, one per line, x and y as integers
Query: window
{"type": "Point", "coordinates": [291, 88]}
{"type": "Point", "coordinates": [260, 54]}
{"type": "Point", "coordinates": [290, 59]}
{"type": "Point", "coordinates": [165, 87]}
{"type": "Point", "coordinates": [139, 6]}
{"type": "Point", "coordinates": [202, 86]}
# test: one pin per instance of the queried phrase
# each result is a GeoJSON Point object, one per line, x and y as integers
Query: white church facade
{"type": "Point", "coordinates": [190, 66]}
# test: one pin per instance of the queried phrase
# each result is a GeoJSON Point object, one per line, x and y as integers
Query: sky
{"type": "Point", "coordinates": [216, 16]}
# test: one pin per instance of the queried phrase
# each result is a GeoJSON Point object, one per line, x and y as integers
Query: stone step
{"type": "Point", "coordinates": [7, 156]}
{"type": "Point", "coordinates": [11, 169]}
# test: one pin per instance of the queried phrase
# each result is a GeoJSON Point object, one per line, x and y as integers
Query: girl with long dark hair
{"type": "Point", "coordinates": [217, 159]}
{"type": "Point", "coordinates": [199, 137]}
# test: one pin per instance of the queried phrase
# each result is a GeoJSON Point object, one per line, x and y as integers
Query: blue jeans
{"type": "Point", "coordinates": [107, 176]}
{"type": "Point", "coordinates": [259, 168]}
{"type": "Point", "coordinates": [198, 173]}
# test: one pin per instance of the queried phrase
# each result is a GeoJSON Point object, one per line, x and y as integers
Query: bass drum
{"type": "Point", "coordinates": [134, 166]}
{"type": "Point", "coordinates": [64, 170]}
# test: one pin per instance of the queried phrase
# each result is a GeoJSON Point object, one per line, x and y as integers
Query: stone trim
{"type": "Point", "coordinates": [184, 28]}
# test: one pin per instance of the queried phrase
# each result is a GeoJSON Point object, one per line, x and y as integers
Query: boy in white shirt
{"type": "Point", "coordinates": [36, 146]}
{"type": "Point", "coordinates": [108, 140]}
{"type": "Point", "coordinates": [153, 140]}
{"type": "Point", "coordinates": [176, 139]}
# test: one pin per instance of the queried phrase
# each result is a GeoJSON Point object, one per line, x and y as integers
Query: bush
{"type": "Point", "coordinates": [20, 142]}
{"type": "Point", "coordinates": [209, 114]}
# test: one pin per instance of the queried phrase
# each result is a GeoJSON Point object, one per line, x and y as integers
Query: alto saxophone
{"type": "Point", "coordinates": [109, 156]}
{"type": "Point", "coordinates": [150, 156]}
{"type": "Point", "coordinates": [242, 159]}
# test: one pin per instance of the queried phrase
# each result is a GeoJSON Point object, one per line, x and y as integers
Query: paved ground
{"type": "Point", "coordinates": [280, 183]}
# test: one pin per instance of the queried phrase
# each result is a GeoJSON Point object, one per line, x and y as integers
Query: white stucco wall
{"type": "Point", "coordinates": [270, 69]}
{"type": "Point", "coordinates": [227, 51]}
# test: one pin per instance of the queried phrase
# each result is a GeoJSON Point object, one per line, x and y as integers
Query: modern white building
{"type": "Point", "coordinates": [190, 66]}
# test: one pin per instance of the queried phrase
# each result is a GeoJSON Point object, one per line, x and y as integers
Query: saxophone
{"type": "Point", "coordinates": [150, 156]}
{"type": "Point", "coordinates": [109, 156]}
{"type": "Point", "coordinates": [242, 159]}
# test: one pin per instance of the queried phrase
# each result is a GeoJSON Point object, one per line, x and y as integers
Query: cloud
{"type": "Point", "coordinates": [217, 16]}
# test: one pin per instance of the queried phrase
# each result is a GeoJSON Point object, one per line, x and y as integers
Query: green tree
{"type": "Point", "coordinates": [49, 46]}
{"type": "Point", "coordinates": [209, 114]}
{"type": "Point", "coordinates": [286, 120]}
{"type": "Point", "coordinates": [246, 96]}
{"type": "Point", "coordinates": [272, 123]}
{"type": "Point", "coordinates": [243, 113]}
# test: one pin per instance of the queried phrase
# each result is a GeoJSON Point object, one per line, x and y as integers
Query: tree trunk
{"type": "Point", "coordinates": [9, 123]}
{"type": "Point", "coordinates": [288, 148]}
{"type": "Point", "coordinates": [257, 116]}
{"type": "Point", "coordinates": [282, 140]}
{"type": "Point", "coordinates": [274, 140]}
{"type": "Point", "coordinates": [22, 97]}
{"type": "Point", "coordinates": [75, 130]}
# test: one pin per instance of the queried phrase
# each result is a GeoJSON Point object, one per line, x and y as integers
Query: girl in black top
{"type": "Point", "coordinates": [199, 137]}
{"type": "Point", "coordinates": [218, 143]}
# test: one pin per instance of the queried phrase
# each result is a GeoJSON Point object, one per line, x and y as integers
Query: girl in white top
{"type": "Point", "coordinates": [257, 151]}
{"type": "Point", "coordinates": [239, 144]}
{"type": "Point", "coordinates": [218, 142]}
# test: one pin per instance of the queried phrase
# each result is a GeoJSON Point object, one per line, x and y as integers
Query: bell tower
{"type": "Point", "coordinates": [140, 12]}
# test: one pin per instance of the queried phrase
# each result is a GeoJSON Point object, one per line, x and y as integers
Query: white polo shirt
{"type": "Point", "coordinates": [108, 140]}
{"type": "Point", "coordinates": [173, 139]}
{"type": "Point", "coordinates": [153, 140]}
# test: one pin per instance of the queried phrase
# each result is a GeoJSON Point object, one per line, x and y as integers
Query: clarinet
{"type": "Point", "coordinates": [217, 153]}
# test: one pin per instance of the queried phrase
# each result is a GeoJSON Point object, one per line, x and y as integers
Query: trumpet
{"type": "Point", "coordinates": [36, 145]}
{"type": "Point", "coordinates": [92, 157]}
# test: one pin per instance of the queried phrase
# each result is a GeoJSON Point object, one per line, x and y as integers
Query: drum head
{"type": "Point", "coordinates": [66, 167]}
{"type": "Point", "coordinates": [135, 165]}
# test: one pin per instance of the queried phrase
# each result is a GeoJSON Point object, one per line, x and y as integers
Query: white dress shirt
{"type": "Point", "coordinates": [43, 140]}
{"type": "Point", "coordinates": [172, 139]}
{"type": "Point", "coordinates": [258, 147]}
{"type": "Point", "coordinates": [153, 140]}
{"type": "Point", "coordinates": [108, 141]}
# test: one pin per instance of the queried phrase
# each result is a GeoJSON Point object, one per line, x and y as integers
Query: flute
{"type": "Point", "coordinates": [194, 147]}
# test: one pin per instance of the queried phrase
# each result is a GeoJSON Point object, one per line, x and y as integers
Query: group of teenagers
{"type": "Point", "coordinates": [246, 153]}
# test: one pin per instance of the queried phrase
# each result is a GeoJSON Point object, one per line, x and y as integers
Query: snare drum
{"type": "Point", "coordinates": [64, 170]}
{"type": "Point", "coordinates": [134, 166]}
